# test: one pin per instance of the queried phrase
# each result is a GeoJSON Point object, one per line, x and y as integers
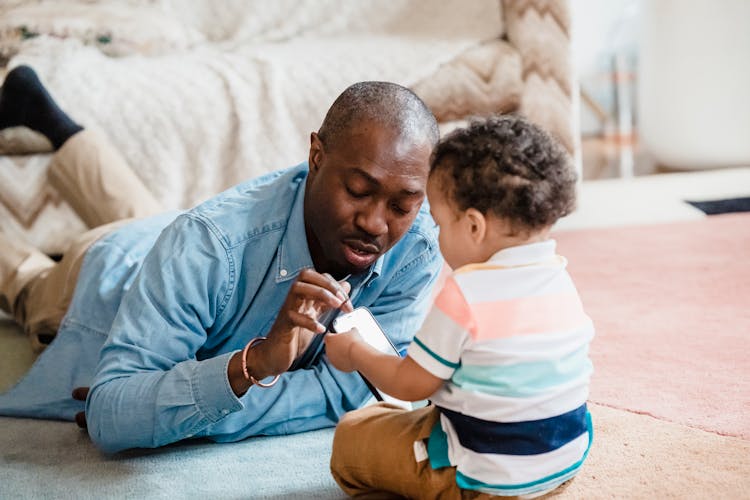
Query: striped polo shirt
{"type": "Point", "coordinates": [511, 339]}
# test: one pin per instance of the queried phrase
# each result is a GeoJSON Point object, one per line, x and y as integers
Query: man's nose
{"type": "Point", "coordinates": [373, 219]}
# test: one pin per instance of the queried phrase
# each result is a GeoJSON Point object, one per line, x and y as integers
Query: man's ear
{"type": "Point", "coordinates": [315, 159]}
{"type": "Point", "coordinates": [477, 225]}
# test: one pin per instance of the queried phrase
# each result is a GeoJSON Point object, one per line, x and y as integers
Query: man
{"type": "Point", "coordinates": [176, 321]}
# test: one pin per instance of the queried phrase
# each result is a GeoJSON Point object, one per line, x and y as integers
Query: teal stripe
{"type": "Point", "coordinates": [467, 483]}
{"type": "Point", "coordinates": [444, 361]}
{"type": "Point", "coordinates": [437, 447]}
{"type": "Point", "coordinates": [473, 484]}
{"type": "Point", "coordinates": [523, 379]}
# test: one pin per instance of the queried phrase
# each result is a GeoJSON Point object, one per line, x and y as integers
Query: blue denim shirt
{"type": "Point", "coordinates": [175, 303]}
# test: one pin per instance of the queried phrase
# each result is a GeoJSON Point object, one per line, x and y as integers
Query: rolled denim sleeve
{"type": "Point", "coordinates": [149, 389]}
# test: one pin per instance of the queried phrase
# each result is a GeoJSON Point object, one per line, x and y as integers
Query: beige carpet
{"type": "Point", "coordinates": [670, 305]}
{"type": "Point", "coordinates": [637, 456]}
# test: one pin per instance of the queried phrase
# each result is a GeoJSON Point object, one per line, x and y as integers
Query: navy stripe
{"type": "Point", "coordinates": [518, 438]}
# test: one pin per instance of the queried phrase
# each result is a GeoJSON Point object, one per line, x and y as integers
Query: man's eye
{"type": "Point", "coordinates": [400, 210]}
{"type": "Point", "coordinates": [355, 194]}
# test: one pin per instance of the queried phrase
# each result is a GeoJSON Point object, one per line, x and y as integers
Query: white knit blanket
{"type": "Point", "coordinates": [196, 120]}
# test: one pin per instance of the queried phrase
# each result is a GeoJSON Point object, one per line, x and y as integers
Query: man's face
{"type": "Point", "coordinates": [363, 193]}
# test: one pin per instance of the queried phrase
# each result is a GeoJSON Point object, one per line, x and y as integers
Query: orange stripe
{"type": "Point", "coordinates": [528, 315]}
{"type": "Point", "coordinates": [453, 304]}
{"type": "Point", "coordinates": [445, 273]}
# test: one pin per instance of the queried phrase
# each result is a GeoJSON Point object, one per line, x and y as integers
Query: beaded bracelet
{"type": "Point", "coordinates": [249, 377]}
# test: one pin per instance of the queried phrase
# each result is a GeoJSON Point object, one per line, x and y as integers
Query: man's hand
{"type": "Point", "coordinates": [311, 295]}
{"type": "Point", "coordinates": [80, 394]}
{"type": "Point", "coordinates": [339, 347]}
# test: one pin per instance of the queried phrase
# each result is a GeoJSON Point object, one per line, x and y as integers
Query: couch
{"type": "Point", "coordinates": [200, 98]}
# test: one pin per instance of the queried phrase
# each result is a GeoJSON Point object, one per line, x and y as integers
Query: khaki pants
{"type": "Point", "coordinates": [373, 456]}
{"type": "Point", "coordinates": [97, 182]}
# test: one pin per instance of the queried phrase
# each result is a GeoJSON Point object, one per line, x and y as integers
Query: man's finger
{"type": "Point", "coordinates": [305, 321]}
{"type": "Point", "coordinates": [81, 419]}
{"type": "Point", "coordinates": [319, 294]}
{"type": "Point", "coordinates": [80, 393]}
{"type": "Point", "coordinates": [324, 281]}
{"type": "Point", "coordinates": [347, 306]}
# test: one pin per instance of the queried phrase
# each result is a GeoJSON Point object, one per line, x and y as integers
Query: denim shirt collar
{"type": "Point", "coordinates": [294, 253]}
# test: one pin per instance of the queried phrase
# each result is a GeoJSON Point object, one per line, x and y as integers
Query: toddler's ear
{"type": "Point", "coordinates": [477, 224]}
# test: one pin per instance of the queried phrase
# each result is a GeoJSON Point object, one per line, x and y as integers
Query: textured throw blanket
{"type": "Point", "coordinates": [195, 120]}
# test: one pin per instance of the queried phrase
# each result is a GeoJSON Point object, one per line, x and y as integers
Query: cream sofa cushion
{"type": "Point", "coordinates": [484, 79]}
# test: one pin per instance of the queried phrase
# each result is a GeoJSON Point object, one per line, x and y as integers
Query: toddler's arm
{"type": "Point", "coordinates": [401, 378]}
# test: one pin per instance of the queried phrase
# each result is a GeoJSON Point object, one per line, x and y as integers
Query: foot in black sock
{"type": "Point", "coordinates": [25, 102]}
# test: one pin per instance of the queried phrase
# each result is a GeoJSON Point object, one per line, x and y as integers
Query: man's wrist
{"type": "Point", "coordinates": [254, 360]}
{"type": "Point", "coordinates": [237, 380]}
{"type": "Point", "coordinates": [241, 372]}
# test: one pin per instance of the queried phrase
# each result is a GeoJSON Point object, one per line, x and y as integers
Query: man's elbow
{"type": "Point", "coordinates": [102, 435]}
{"type": "Point", "coordinates": [107, 446]}
{"type": "Point", "coordinates": [102, 427]}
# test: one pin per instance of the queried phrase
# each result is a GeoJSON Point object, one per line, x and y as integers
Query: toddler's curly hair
{"type": "Point", "coordinates": [507, 166]}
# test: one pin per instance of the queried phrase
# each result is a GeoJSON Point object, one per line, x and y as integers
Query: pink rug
{"type": "Point", "coordinates": [671, 306]}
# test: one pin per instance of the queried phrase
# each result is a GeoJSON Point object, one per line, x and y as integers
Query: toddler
{"type": "Point", "coordinates": [503, 354]}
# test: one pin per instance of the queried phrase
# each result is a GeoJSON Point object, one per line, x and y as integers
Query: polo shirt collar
{"type": "Point", "coordinates": [523, 255]}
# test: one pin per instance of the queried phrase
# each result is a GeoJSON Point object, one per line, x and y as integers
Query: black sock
{"type": "Point", "coordinates": [25, 102]}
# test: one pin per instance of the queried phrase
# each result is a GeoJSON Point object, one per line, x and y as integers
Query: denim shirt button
{"type": "Point", "coordinates": [283, 273]}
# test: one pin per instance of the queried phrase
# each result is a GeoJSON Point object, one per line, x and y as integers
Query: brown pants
{"type": "Point", "coordinates": [374, 457]}
{"type": "Point", "coordinates": [97, 182]}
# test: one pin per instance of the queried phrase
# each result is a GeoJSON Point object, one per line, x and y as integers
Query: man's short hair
{"type": "Point", "coordinates": [388, 104]}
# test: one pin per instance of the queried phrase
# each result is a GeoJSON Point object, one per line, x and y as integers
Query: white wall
{"type": "Point", "coordinates": [601, 27]}
{"type": "Point", "coordinates": [694, 84]}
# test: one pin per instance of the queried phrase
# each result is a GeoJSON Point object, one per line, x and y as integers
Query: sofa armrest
{"type": "Point", "coordinates": [540, 31]}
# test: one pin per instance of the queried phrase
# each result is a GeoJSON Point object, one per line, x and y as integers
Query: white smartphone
{"type": "Point", "coordinates": [370, 331]}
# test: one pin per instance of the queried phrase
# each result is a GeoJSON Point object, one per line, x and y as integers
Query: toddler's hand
{"type": "Point", "coordinates": [339, 349]}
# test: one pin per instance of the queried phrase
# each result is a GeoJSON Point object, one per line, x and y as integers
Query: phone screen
{"type": "Point", "coordinates": [368, 328]}
{"type": "Point", "coordinates": [370, 331]}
